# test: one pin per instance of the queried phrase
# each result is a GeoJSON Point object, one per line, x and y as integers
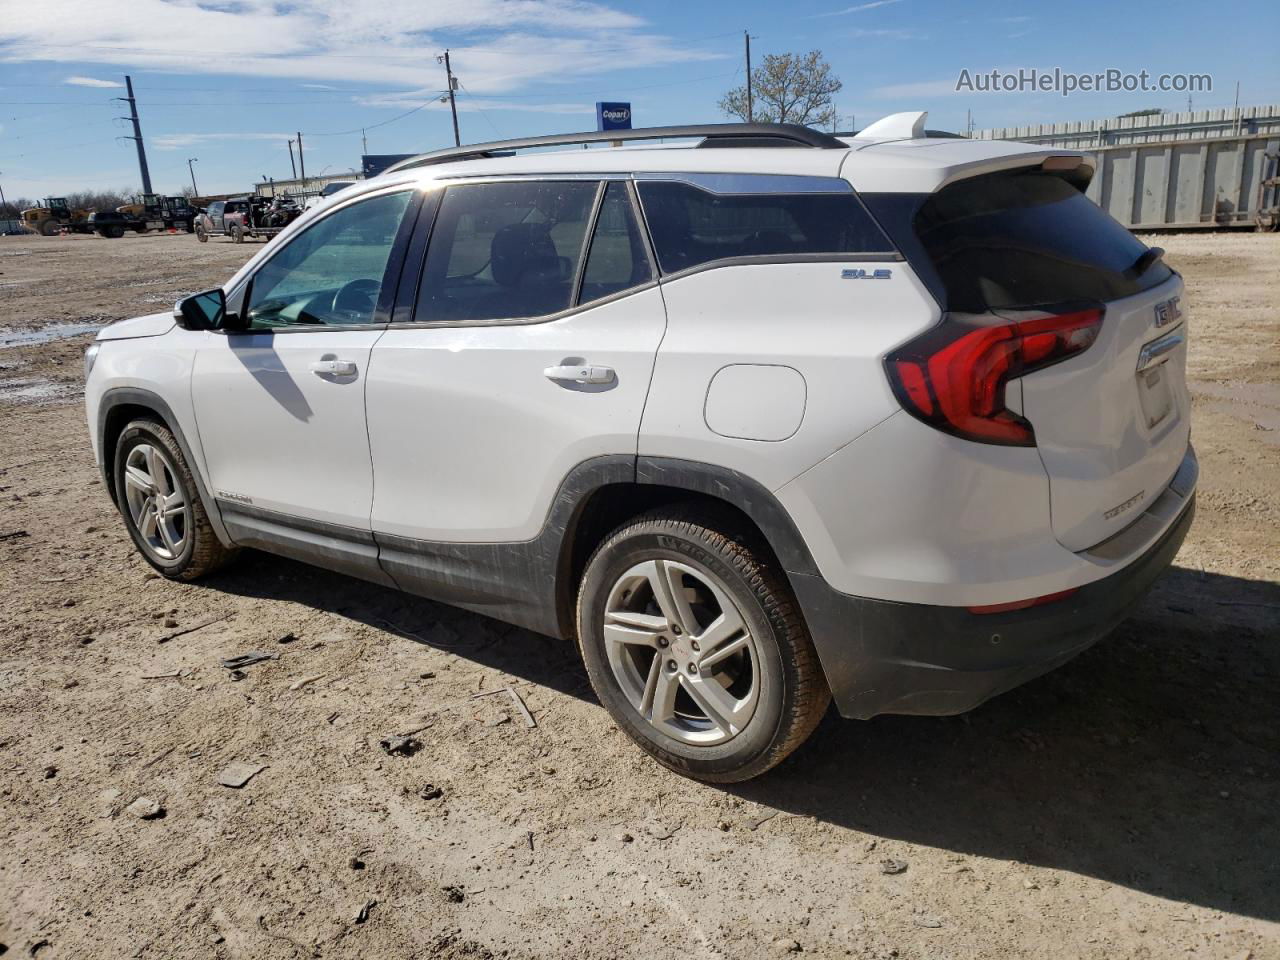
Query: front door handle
{"type": "Point", "coordinates": [583, 373]}
{"type": "Point", "coordinates": [334, 368]}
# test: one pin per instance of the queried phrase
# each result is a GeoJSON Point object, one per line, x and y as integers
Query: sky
{"type": "Point", "coordinates": [229, 82]}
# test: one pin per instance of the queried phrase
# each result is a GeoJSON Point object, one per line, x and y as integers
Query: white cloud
{"type": "Point", "coordinates": [91, 82]}
{"type": "Point", "coordinates": [856, 9]}
{"type": "Point", "coordinates": [497, 46]}
{"type": "Point", "coordinates": [176, 141]}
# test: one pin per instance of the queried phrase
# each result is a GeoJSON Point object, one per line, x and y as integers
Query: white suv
{"type": "Point", "coordinates": [896, 420]}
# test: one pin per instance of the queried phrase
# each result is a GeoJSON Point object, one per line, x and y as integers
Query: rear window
{"type": "Point", "coordinates": [1022, 239]}
{"type": "Point", "coordinates": [691, 226]}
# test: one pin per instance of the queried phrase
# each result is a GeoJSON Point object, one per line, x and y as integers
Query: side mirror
{"type": "Point", "coordinates": [201, 311]}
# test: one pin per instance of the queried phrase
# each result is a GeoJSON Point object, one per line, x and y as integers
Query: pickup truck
{"type": "Point", "coordinates": [244, 217]}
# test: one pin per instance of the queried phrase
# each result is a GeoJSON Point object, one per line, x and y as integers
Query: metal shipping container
{"type": "Point", "coordinates": [1210, 168]}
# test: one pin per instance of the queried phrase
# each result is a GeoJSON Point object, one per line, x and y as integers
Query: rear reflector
{"type": "Point", "coordinates": [953, 376]}
{"type": "Point", "coordinates": [1024, 604]}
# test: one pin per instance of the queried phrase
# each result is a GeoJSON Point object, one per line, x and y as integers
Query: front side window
{"type": "Point", "coordinates": [691, 226]}
{"type": "Point", "coordinates": [331, 273]}
{"type": "Point", "coordinates": [502, 251]}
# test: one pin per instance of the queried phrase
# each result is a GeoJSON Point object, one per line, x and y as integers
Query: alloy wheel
{"type": "Point", "coordinates": [157, 503]}
{"type": "Point", "coordinates": [682, 652]}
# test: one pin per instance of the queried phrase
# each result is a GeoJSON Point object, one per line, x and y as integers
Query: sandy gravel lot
{"type": "Point", "coordinates": [1127, 805]}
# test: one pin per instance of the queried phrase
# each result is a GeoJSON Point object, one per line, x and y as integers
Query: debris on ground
{"type": "Point", "coordinates": [14, 534]}
{"type": "Point", "coordinates": [406, 745]}
{"type": "Point", "coordinates": [892, 867]}
{"type": "Point", "coordinates": [786, 945]}
{"type": "Point", "coordinates": [248, 659]}
{"type": "Point", "coordinates": [192, 629]}
{"type": "Point", "coordinates": [237, 774]}
{"type": "Point", "coordinates": [161, 676]}
{"type": "Point", "coordinates": [430, 791]}
{"type": "Point", "coordinates": [516, 701]}
{"type": "Point", "coordinates": [144, 808]}
{"type": "Point", "coordinates": [757, 822]}
{"type": "Point", "coordinates": [454, 893]}
{"type": "Point", "coordinates": [363, 913]}
{"type": "Point", "coordinates": [299, 684]}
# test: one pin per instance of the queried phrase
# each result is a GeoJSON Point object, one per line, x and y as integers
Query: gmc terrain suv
{"type": "Point", "coordinates": [759, 420]}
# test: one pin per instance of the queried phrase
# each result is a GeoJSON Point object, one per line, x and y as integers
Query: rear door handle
{"type": "Point", "coordinates": [333, 368]}
{"type": "Point", "coordinates": [585, 373]}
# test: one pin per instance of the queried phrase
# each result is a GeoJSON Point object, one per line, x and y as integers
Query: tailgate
{"type": "Point", "coordinates": [1112, 424]}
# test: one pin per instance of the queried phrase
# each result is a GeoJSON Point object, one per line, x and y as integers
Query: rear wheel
{"type": "Point", "coordinates": [237, 233]}
{"type": "Point", "coordinates": [157, 496]}
{"type": "Point", "coordinates": [697, 649]}
{"type": "Point", "coordinates": [50, 228]}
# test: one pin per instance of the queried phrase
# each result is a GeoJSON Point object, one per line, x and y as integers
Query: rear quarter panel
{"type": "Point", "coordinates": [805, 316]}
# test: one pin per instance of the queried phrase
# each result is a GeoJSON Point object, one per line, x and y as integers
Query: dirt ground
{"type": "Point", "coordinates": [1127, 805]}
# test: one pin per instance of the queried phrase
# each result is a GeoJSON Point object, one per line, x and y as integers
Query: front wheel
{"type": "Point", "coordinates": [697, 649]}
{"type": "Point", "coordinates": [200, 233]}
{"type": "Point", "coordinates": [157, 496]}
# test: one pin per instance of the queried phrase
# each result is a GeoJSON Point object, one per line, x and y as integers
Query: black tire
{"type": "Point", "coordinates": [200, 234]}
{"type": "Point", "coordinates": [237, 233]}
{"type": "Point", "coordinates": [202, 551]}
{"type": "Point", "coordinates": [793, 693]}
{"type": "Point", "coordinates": [114, 232]}
{"type": "Point", "coordinates": [50, 228]}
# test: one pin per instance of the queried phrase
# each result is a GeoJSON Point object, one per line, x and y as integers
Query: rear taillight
{"type": "Point", "coordinates": [953, 376]}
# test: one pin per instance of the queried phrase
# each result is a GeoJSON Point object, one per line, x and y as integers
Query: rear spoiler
{"type": "Point", "coordinates": [926, 166]}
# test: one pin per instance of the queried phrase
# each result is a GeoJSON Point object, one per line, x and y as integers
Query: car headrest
{"type": "Point", "coordinates": [520, 249]}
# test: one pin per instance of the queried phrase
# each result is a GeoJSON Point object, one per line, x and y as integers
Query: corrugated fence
{"type": "Point", "coordinates": [1204, 168]}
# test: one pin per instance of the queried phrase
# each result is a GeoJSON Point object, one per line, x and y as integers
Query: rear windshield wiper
{"type": "Point", "coordinates": [1146, 261]}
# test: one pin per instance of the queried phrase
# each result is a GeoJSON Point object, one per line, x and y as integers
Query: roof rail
{"type": "Point", "coordinates": [712, 134]}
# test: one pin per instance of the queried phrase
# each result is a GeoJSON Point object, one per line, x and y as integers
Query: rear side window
{"type": "Point", "coordinates": [691, 226]}
{"type": "Point", "coordinates": [617, 259]}
{"type": "Point", "coordinates": [1025, 239]}
{"type": "Point", "coordinates": [503, 251]}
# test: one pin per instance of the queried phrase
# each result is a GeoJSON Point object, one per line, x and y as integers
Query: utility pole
{"type": "Point", "coordinates": [364, 143]}
{"type": "Point", "coordinates": [137, 133]}
{"type": "Point", "coordinates": [4, 206]}
{"type": "Point", "coordinates": [746, 38]}
{"type": "Point", "coordinates": [194, 189]}
{"type": "Point", "coordinates": [453, 102]}
{"type": "Point", "coordinates": [292, 166]}
{"type": "Point", "coordinates": [302, 164]}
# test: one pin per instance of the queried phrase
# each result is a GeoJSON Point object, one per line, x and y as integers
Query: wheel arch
{"type": "Point", "coordinates": [665, 481]}
{"type": "Point", "coordinates": [122, 405]}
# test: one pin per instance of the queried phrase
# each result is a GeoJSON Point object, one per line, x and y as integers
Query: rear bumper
{"type": "Point", "coordinates": [885, 657]}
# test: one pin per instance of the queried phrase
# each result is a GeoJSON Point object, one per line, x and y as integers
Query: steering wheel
{"type": "Point", "coordinates": [358, 298]}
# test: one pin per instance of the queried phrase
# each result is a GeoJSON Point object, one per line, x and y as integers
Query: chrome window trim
{"type": "Point", "coordinates": [520, 321]}
{"type": "Point", "coordinates": [752, 184]}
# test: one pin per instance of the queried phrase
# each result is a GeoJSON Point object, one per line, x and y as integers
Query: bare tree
{"type": "Point", "coordinates": [788, 88]}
